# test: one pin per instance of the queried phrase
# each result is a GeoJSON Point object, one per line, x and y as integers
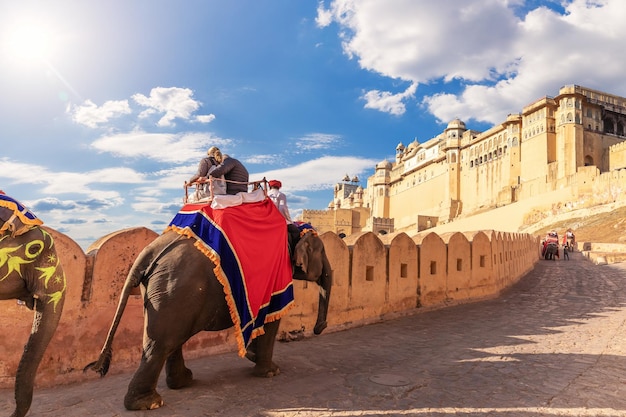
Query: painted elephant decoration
{"type": "Point", "coordinates": [30, 271]}
{"type": "Point", "coordinates": [182, 296]}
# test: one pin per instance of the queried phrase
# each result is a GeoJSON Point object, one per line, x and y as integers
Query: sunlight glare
{"type": "Point", "coordinates": [28, 41]}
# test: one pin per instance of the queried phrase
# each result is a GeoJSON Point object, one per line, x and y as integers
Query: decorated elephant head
{"type": "Point", "coordinates": [311, 264]}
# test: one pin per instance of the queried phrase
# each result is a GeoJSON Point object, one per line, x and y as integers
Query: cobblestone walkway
{"type": "Point", "coordinates": [553, 345]}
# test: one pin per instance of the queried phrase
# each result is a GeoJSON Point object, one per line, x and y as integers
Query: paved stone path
{"type": "Point", "coordinates": [553, 345]}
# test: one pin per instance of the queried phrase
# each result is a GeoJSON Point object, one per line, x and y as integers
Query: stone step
{"type": "Point", "coordinates": [604, 258]}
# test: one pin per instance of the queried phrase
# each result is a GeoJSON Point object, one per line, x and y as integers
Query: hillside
{"type": "Point", "coordinates": [539, 214]}
{"type": "Point", "coordinates": [607, 227]}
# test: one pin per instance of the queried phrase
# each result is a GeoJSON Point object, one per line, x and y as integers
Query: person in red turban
{"type": "Point", "coordinates": [280, 200]}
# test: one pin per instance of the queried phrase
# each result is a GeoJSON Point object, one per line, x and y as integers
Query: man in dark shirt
{"type": "Point", "coordinates": [232, 170]}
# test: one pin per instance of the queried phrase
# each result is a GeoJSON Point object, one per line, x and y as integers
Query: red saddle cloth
{"type": "Point", "coordinates": [248, 245]}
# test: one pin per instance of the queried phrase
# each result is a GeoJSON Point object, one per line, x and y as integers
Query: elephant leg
{"type": "Point", "coordinates": [264, 366]}
{"type": "Point", "coordinates": [142, 394]}
{"type": "Point", "coordinates": [177, 374]}
{"type": "Point", "coordinates": [251, 350]}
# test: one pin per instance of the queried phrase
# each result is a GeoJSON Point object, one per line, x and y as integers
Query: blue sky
{"type": "Point", "coordinates": [107, 107]}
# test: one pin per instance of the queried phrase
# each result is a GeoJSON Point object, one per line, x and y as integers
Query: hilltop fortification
{"type": "Point", "coordinates": [571, 144]}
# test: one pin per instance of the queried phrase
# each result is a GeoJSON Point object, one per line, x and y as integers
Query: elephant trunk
{"type": "Point", "coordinates": [325, 282]}
{"type": "Point", "coordinates": [46, 320]}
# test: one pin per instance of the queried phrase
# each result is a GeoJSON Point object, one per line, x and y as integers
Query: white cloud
{"type": "Point", "coordinates": [502, 61]}
{"type": "Point", "coordinates": [324, 17]}
{"type": "Point", "coordinates": [263, 159]}
{"type": "Point", "coordinates": [55, 183]}
{"type": "Point", "coordinates": [174, 102]}
{"type": "Point", "coordinates": [318, 174]}
{"type": "Point", "coordinates": [388, 102]}
{"type": "Point", "coordinates": [163, 147]}
{"type": "Point", "coordinates": [89, 114]}
{"type": "Point", "coordinates": [316, 141]}
{"type": "Point", "coordinates": [205, 118]}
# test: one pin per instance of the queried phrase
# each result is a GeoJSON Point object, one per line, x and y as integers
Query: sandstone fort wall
{"type": "Point", "coordinates": [374, 278]}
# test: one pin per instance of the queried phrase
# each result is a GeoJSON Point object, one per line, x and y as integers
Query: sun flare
{"type": "Point", "coordinates": [28, 41]}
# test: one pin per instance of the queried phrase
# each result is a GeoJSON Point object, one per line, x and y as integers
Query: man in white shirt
{"type": "Point", "coordinates": [280, 200]}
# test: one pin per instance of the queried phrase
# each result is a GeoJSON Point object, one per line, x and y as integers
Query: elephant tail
{"type": "Point", "coordinates": [101, 366]}
{"type": "Point", "coordinates": [135, 277]}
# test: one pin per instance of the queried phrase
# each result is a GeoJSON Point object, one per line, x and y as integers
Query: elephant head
{"type": "Point", "coordinates": [311, 264]}
{"type": "Point", "coordinates": [30, 271]}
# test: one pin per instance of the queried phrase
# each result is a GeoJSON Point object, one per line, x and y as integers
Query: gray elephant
{"type": "Point", "coordinates": [551, 251]}
{"type": "Point", "coordinates": [183, 296]}
{"type": "Point", "coordinates": [30, 271]}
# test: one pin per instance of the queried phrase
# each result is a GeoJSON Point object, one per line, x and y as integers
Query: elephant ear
{"type": "Point", "coordinates": [301, 255]}
{"type": "Point", "coordinates": [309, 256]}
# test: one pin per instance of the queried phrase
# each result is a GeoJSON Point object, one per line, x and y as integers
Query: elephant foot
{"type": "Point", "coordinates": [148, 401]}
{"type": "Point", "coordinates": [251, 351]}
{"type": "Point", "coordinates": [180, 380]}
{"type": "Point", "coordinates": [319, 327]}
{"type": "Point", "coordinates": [251, 356]}
{"type": "Point", "coordinates": [265, 372]}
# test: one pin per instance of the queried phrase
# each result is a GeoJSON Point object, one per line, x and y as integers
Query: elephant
{"type": "Point", "coordinates": [550, 251]}
{"type": "Point", "coordinates": [30, 272]}
{"type": "Point", "coordinates": [182, 296]}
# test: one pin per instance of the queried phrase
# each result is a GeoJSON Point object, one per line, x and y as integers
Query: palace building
{"type": "Point", "coordinates": [461, 172]}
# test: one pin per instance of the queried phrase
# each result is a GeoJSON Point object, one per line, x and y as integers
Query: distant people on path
{"type": "Point", "coordinates": [565, 253]}
{"type": "Point", "coordinates": [569, 239]}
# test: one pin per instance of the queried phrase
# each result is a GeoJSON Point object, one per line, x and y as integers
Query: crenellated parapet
{"type": "Point", "coordinates": [375, 277]}
{"type": "Point", "coordinates": [315, 212]}
{"type": "Point", "coordinates": [617, 156]}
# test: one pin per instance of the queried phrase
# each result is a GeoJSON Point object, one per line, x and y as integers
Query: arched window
{"type": "Point", "coordinates": [588, 160]}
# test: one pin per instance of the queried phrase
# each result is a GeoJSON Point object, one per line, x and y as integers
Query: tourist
{"type": "Point", "coordinates": [235, 174]}
{"type": "Point", "coordinates": [207, 165]}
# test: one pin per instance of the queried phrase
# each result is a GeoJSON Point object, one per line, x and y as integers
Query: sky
{"type": "Point", "coordinates": [107, 107]}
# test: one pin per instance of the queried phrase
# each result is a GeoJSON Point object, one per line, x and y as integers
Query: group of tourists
{"type": "Point", "coordinates": [220, 174]}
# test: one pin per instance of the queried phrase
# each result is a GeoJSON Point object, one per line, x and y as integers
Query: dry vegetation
{"type": "Point", "coordinates": [607, 227]}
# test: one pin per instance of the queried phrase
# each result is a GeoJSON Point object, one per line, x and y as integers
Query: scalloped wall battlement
{"type": "Point", "coordinates": [432, 271]}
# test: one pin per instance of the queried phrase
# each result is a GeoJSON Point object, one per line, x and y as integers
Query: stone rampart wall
{"type": "Point", "coordinates": [374, 278]}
